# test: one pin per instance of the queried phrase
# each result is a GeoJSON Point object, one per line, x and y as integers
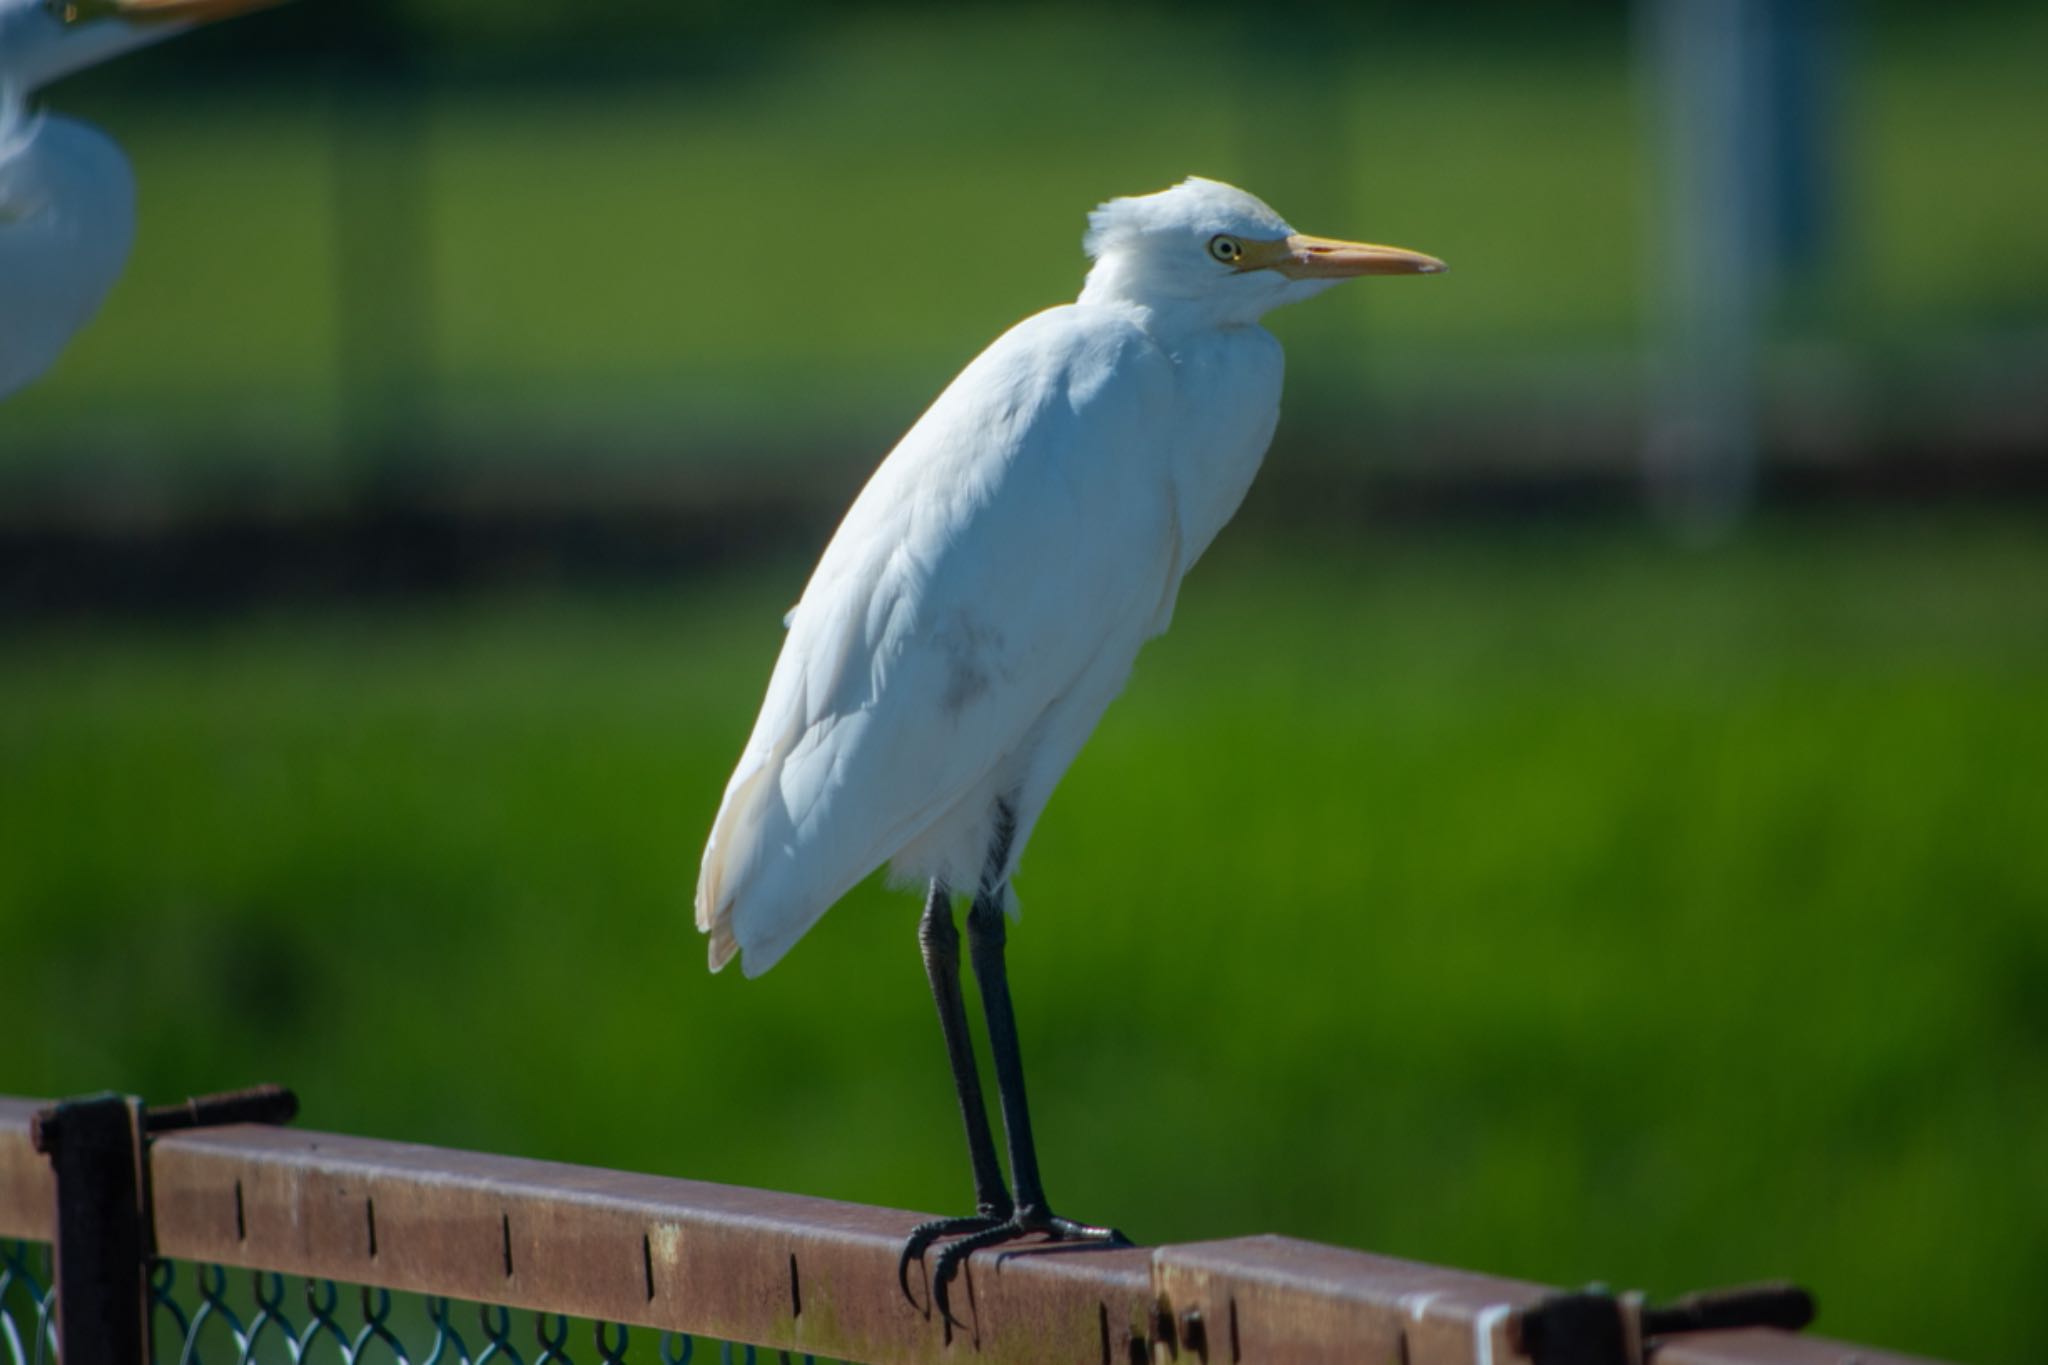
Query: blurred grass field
{"type": "Point", "coordinates": [807, 248]}
{"type": "Point", "coordinates": [1555, 903]}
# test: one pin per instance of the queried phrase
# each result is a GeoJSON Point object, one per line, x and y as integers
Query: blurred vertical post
{"type": "Point", "coordinates": [1737, 102]}
{"type": "Point", "coordinates": [383, 245]}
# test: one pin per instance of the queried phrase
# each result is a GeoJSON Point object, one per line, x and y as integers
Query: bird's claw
{"type": "Point", "coordinates": [984, 1230]}
{"type": "Point", "coordinates": [924, 1234]}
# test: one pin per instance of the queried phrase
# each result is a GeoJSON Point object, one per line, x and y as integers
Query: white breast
{"type": "Point", "coordinates": [1229, 385]}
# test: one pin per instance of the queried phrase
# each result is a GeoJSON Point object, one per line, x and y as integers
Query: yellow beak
{"type": "Point", "coordinates": [1303, 257]}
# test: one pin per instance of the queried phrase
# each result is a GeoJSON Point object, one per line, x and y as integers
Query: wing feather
{"type": "Point", "coordinates": [1022, 523]}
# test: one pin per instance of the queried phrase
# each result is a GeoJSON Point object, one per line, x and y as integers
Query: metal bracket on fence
{"type": "Point", "coordinates": [1595, 1327]}
{"type": "Point", "coordinates": [97, 1149]}
{"type": "Point", "coordinates": [271, 1104]}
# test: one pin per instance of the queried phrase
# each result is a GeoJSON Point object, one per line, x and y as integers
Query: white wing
{"type": "Point", "coordinates": [67, 220]}
{"type": "Point", "coordinates": [1025, 524]}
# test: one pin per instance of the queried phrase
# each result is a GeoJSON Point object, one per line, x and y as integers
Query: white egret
{"type": "Point", "coordinates": [67, 200]}
{"type": "Point", "coordinates": [983, 602]}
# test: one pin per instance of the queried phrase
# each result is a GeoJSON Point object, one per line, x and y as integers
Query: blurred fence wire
{"type": "Point", "coordinates": [28, 1327]}
{"type": "Point", "coordinates": [206, 1315]}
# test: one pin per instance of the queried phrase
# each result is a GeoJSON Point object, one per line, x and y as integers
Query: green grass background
{"type": "Point", "coordinates": [1558, 904]}
{"type": "Point", "coordinates": [800, 253]}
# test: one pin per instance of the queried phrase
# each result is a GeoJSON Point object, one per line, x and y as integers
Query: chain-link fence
{"type": "Point", "coordinates": [181, 1235]}
{"type": "Point", "coordinates": [207, 1314]}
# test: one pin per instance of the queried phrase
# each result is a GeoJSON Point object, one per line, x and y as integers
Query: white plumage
{"type": "Point", "coordinates": [67, 198]}
{"type": "Point", "coordinates": [985, 597]}
{"type": "Point", "coordinates": [67, 219]}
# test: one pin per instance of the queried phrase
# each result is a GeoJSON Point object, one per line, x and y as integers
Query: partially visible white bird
{"type": "Point", "coordinates": [67, 199]}
{"type": "Point", "coordinates": [983, 602]}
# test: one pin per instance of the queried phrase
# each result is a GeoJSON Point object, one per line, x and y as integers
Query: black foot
{"type": "Point", "coordinates": [924, 1234]}
{"type": "Point", "coordinates": [984, 1231]}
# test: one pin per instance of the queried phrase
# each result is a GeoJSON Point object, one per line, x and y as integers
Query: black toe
{"type": "Point", "coordinates": [982, 1232]}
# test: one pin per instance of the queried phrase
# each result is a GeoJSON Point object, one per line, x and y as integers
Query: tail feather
{"type": "Point", "coordinates": [755, 895]}
{"type": "Point", "coordinates": [723, 946]}
{"type": "Point", "coordinates": [732, 837]}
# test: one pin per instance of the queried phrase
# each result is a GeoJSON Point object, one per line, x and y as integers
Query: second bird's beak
{"type": "Point", "coordinates": [155, 11]}
{"type": "Point", "coordinates": [1301, 257]}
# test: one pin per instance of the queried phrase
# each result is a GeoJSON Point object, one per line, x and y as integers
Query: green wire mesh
{"type": "Point", "coordinates": [28, 1331]}
{"type": "Point", "coordinates": [211, 1315]}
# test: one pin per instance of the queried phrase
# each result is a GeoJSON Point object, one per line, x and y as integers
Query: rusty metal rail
{"type": "Point", "coordinates": [804, 1275]}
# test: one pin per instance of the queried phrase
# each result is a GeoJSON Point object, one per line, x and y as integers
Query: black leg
{"type": "Point", "coordinates": [1028, 1212]}
{"type": "Point", "coordinates": [987, 938]}
{"type": "Point", "coordinates": [939, 939]}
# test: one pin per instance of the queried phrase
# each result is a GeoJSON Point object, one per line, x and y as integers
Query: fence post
{"type": "Point", "coordinates": [102, 1254]}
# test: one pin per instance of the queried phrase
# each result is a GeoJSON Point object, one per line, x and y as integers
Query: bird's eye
{"type": "Point", "coordinates": [1226, 249]}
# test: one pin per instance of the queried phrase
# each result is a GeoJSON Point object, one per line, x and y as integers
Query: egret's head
{"type": "Point", "coordinates": [1212, 247]}
{"type": "Point", "coordinates": [44, 40]}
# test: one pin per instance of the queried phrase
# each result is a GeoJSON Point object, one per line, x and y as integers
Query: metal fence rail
{"type": "Point", "coordinates": [805, 1276]}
